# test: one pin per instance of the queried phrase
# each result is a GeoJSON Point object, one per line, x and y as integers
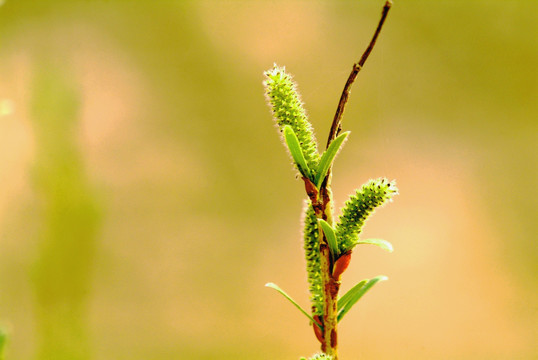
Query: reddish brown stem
{"type": "Point", "coordinates": [322, 203]}
{"type": "Point", "coordinates": [336, 126]}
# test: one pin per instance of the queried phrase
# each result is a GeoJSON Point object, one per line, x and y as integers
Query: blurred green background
{"type": "Point", "coordinates": [145, 197]}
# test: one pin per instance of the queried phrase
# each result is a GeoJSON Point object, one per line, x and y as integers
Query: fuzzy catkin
{"type": "Point", "coordinates": [287, 109]}
{"type": "Point", "coordinates": [313, 262]}
{"type": "Point", "coordinates": [357, 209]}
{"type": "Point", "coordinates": [319, 357]}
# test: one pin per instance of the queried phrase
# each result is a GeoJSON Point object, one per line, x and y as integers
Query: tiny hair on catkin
{"type": "Point", "coordinates": [359, 207]}
{"type": "Point", "coordinates": [287, 108]}
{"type": "Point", "coordinates": [313, 261]}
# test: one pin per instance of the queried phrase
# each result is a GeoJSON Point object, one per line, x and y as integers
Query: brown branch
{"type": "Point", "coordinates": [322, 203]}
{"type": "Point", "coordinates": [336, 125]}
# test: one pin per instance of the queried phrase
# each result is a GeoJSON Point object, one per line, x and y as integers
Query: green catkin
{"type": "Point", "coordinates": [357, 209]}
{"type": "Point", "coordinates": [313, 263]}
{"type": "Point", "coordinates": [319, 357]}
{"type": "Point", "coordinates": [287, 109]}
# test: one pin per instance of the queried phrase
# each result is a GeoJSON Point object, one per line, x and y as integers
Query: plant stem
{"type": "Point", "coordinates": [336, 125]}
{"type": "Point", "coordinates": [330, 284]}
{"type": "Point", "coordinates": [323, 206]}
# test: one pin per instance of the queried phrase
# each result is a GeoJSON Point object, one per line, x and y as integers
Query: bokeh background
{"type": "Point", "coordinates": [145, 197]}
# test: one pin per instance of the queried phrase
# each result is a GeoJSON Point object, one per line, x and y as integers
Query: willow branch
{"type": "Point", "coordinates": [336, 125]}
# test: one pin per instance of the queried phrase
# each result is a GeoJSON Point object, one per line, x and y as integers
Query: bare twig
{"type": "Point", "coordinates": [336, 125]}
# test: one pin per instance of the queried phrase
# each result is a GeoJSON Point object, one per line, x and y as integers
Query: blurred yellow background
{"type": "Point", "coordinates": [145, 197]}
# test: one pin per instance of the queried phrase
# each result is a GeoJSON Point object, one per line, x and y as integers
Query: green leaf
{"type": "Point", "coordinates": [345, 299]}
{"type": "Point", "coordinates": [296, 151]}
{"type": "Point", "coordinates": [383, 244]}
{"type": "Point", "coordinates": [328, 157]}
{"type": "Point", "coordinates": [274, 286]}
{"type": "Point", "coordinates": [331, 238]}
{"type": "Point", "coordinates": [357, 293]}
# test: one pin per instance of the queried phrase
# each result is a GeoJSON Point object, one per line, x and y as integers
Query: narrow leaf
{"type": "Point", "coordinates": [331, 238]}
{"type": "Point", "coordinates": [328, 157]}
{"type": "Point", "coordinates": [274, 286]}
{"type": "Point", "coordinates": [296, 151]}
{"type": "Point", "coordinates": [357, 294]}
{"type": "Point", "coordinates": [383, 244]}
{"type": "Point", "coordinates": [347, 296]}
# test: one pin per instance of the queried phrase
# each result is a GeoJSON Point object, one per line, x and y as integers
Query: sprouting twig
{"type": "Point", "coordinates": [336, 125]}
{"type": "Point", "coordinates": [325, 261]}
